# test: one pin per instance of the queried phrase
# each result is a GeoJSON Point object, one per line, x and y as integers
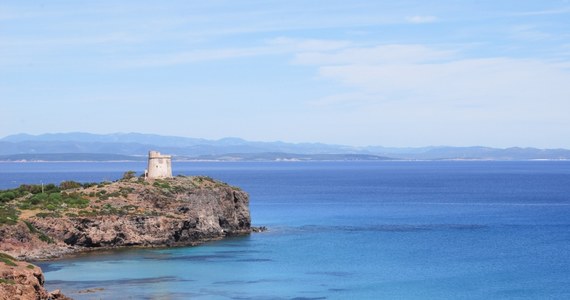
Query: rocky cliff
{"type": "Point", "coordinates": [41, 222]}
{"type": "Point", "coordinates": [21, 280]}
{"type": "Point", "coordinates": [75, 217]}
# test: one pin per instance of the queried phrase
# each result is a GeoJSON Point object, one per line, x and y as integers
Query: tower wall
{"type": "Point", "coordinates": [159, 166]}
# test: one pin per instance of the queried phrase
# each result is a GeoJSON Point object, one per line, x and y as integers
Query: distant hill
{"type": "Point", "coordinates": [286, 157]}
{"type": "Point", "coordinates": [70, 157]}
{"type": "Point", "coordinates": [133, 146]}
{"type": "Point", "coordinates": [474, 153]}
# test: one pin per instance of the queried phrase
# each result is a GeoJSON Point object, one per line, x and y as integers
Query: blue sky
{"type": "Point", "coordinates": [392, 73]}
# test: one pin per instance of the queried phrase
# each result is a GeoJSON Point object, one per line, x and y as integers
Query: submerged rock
{"type": "Point", "coordinates": [259, 229]}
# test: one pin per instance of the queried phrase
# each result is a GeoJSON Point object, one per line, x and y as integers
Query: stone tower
{"type": "Point", "coordinates": [159, 166]}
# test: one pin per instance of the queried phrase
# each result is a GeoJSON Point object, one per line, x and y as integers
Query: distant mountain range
{"type": "Point", "coordinates": [135, 146]}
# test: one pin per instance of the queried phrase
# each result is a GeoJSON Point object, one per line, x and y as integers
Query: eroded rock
{"type": "Point", "coordinates": [169, 212]}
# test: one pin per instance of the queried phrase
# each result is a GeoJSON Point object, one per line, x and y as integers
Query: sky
{"type": "Point", "coordinates": [390, 73]}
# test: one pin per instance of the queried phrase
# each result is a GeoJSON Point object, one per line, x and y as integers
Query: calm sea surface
{"type": "Point", "coordinates": [347, 230]}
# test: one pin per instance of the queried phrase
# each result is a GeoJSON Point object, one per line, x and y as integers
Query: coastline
{"type": "Point", "coordinates": [80, 252]}
{"type": "Point", "coordinates": [50, 222]}
{"type": "Point", "coordinates": [180, 211]}
{"type": "Point", "coordinates": [318, 227]}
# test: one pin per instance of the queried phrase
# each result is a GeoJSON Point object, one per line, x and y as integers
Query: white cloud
{"type": "Point", "coordinates": [421, 19]}
{"type": "Point", "coordinates": [383, 54]}
{"type": "Point", "coordinates": [349, 100]}
{"type": "Point", "coordinates": [528, 33]}
{"type": "Point", "coordinates": [494, 82]}
{"type": "Point", "coordinates": [297, 45]}
{"type": "Point", "coordinates": [188, 57]}
{"type": "Point", "coordinates": [435, 96]}
{"type": "Point", "coordinates": [75, 41]}
{"type": "Point", "coordinates": [556, 11]}
{"type": "Point", "coordinates": [274, 46]}
{"type": "Point", "coordinates": [416, 72]}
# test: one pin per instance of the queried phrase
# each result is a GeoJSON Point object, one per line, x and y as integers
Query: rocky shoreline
{"type": "Point", "coordinates": [53, 221]}
{"type": "Point", "coordinates": [22, 280]}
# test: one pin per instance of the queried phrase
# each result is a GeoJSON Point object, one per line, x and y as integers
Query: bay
{"type": "Point", "coordinates": [338, 230]}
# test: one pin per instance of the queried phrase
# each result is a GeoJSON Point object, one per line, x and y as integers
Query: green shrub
{"type": "Point", "coordinates": [42, 236]}
{"type": "Point", "coordinates": [51, 188]}
{"type": "Point", "coordinates": [7, 281]}
{"type": "Point", "coordinates": [54, 201]}
{"type": "Point", "coordinates": [7, 196]}
{"type": "Point", "coordinates": [38, 198]}
{"type": "Point", "coordinates": [4, 255]}
{"type": "Point", "coordinates": [114, 194]}
{"type": "Point", "coordinates": [8, 215]}
{"type": "Point", "coordinates": [129, 175]}
{"type": "Point", "coordinates": [8, 261]}
{"type": "Point", "coordinates": [77, 202]}
{"type": "Point", "coordinates": [30, 227]}
{"type": "Point", "coordinates": [55, 197]}
{"type": "Point", "coordinates": [127, 189]}
{"type": "Point", "coordinates": [25, 205]}
{"type": "Point", "coordinates": [67, 185]}
{"type": "Point", "coordinates": [48, 215]}
{"type": "Point", "coordinates": [161, 184]}
{"type": "Point", "coordinates": [89, 213]}
{"type": "Point", "coordinates": [89, 184]}
{"type": "Point", "coordinates": [178, 189]}
{"type": "Point", "coordinates": [30, 188]}
{"type": "Point", "coordinates": [45, 238]}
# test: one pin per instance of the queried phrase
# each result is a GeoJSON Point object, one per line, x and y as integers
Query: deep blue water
{"type": "Point", "coordinates": [348, 230]}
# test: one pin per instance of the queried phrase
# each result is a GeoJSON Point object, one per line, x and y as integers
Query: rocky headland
{"type": "Point", "coordinates": [21, 280]}
{"type": "Point", "coordinates": [45, 222]}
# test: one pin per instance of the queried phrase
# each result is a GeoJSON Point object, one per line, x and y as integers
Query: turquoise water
{"type": "Point", "coordinates": [348, 230]}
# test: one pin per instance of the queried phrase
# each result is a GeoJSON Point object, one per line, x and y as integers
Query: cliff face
{"type": "Point", "coordinates": [185, 219]}
{"type": "Point", "coordinates": [21, 280]}
{"type": "Point", "coordinates": [169, 212]}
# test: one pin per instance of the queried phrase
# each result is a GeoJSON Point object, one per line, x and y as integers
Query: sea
{"type": "Point", "coordinates": [345, 230]}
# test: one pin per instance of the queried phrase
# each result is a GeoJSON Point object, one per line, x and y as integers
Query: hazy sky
{"type": "Point", "coordinates": [392, 73]}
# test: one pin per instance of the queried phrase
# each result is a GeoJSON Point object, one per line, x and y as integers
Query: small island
{"type": "Point", "coordinates": [40, 222]}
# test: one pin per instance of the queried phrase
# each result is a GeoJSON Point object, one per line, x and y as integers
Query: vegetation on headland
{"type": "Point", "coordinates": [43, 221]}
{"type": "Point", "coordinates": [7, 259]}
{"type": "Point", "coordinates": [50, 220]}
{"type": "Point", "coordinates": [75, 199]}
{"type": "Point", "coordinates": [48, 197]}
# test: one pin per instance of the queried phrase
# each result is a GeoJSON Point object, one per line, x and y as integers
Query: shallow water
{"type": "Point", "coordinates": [338, 230]}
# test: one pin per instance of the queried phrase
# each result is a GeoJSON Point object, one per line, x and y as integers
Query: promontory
{"type": "Point", "coordinates": [47, 221]}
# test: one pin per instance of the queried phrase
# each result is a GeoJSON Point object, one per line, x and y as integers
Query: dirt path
{"type": "Point", "coordinates": [26, 214]}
